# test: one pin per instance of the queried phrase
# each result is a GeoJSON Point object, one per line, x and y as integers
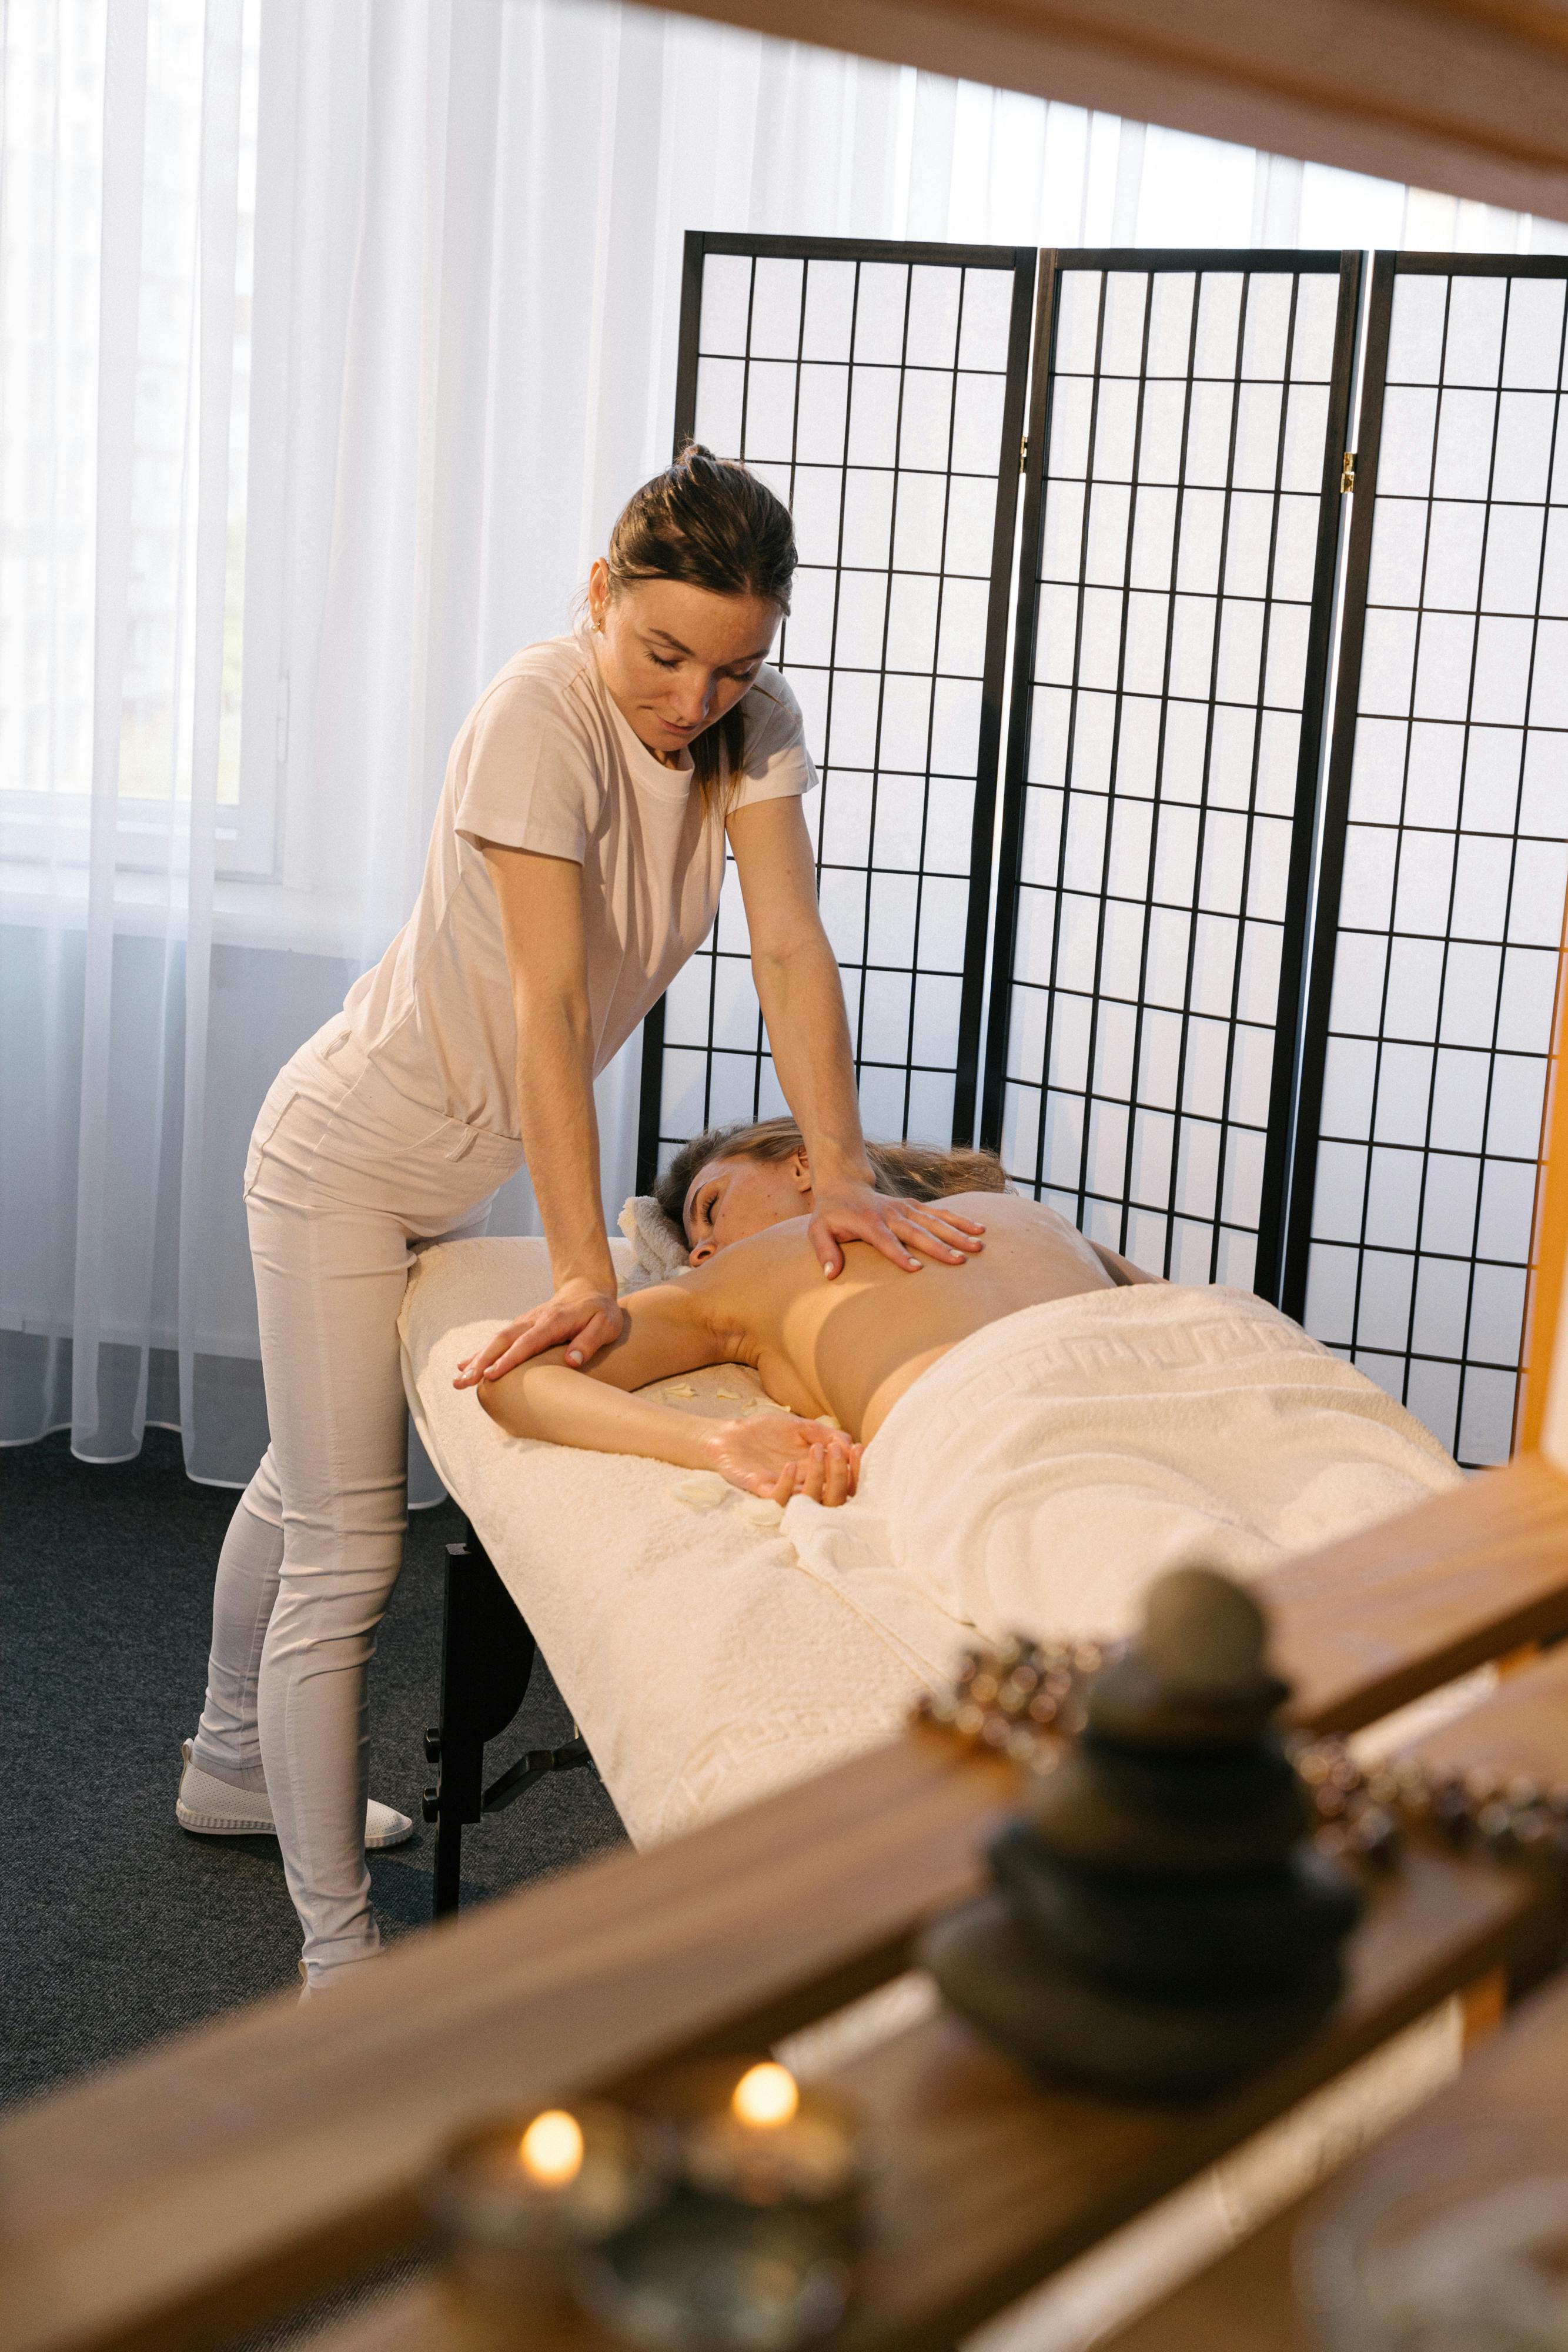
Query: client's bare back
{"type": "Point", "coordinates": [847, 1348]}
{"type": "Point", "coordinates": [853, 1346]}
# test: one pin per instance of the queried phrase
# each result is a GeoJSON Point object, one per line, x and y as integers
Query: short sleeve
{"type": "Point", "coordinates": [777, 763]}
{"type": "Point", "coordinates": [532, 780]}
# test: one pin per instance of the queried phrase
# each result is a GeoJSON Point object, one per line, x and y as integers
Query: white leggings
{"type": "Point", "coordinates": [345, 1176]}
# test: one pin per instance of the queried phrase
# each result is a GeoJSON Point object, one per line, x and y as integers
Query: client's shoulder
{"type": "Point", "coordinates": [743, 1288]}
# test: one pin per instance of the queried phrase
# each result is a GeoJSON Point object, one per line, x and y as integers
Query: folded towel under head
{"type": "Point", "coordinates": [658, 1245]}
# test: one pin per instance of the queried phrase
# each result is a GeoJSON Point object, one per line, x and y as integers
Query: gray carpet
{"type": "Point", "coordinates": [118, 1927]}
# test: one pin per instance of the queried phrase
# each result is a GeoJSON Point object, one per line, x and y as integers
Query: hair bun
{"type": "Point", "coordinates": [692, 451]}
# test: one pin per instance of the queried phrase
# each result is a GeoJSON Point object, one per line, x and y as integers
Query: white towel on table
{"type": "Point", "coordinates": [1041, 1472]}
{"type": "Point", "coordinates": [705, 1670]}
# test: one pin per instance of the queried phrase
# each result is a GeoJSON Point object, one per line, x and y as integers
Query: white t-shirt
{"type": "Point", "coordinates": [544, 760]}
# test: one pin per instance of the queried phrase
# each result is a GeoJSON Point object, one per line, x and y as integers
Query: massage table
{"type": "Point", "coordinates": [748, 1671]}
{"type": "Point", "coordinates": [1035, 1477]}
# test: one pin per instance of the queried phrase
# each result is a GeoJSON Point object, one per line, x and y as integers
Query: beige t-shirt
{"type": "Point", "coordinates": [544, 760]}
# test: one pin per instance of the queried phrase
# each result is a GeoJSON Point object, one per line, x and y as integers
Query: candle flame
{"type": "Point", "coordinates": [765, 2094]}
{"type": "Point", "coordinates": [551, 2148]}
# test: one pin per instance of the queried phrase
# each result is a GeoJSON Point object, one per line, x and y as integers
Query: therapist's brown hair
{"type": "Point", "coordinates": [709, 523]}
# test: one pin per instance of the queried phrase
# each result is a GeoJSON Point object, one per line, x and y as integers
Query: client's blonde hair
{"type": "Point", "coordinates": [909, 1172]}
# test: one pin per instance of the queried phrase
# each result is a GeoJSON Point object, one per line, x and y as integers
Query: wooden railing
{"type": "Point", "coordinates": [239, 2169]}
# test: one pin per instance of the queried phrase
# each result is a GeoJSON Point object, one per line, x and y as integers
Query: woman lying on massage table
{"type": "Point", "coordinates": [843, 1349]}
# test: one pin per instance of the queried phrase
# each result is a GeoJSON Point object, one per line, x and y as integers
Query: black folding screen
{"type": "Point", "coordinates": [1187, 435]}
{"type": "Point", "coordinates": [879, 389]}
{"type": "Point", "coordinates": [1247, 1022]}
{"type": "Point", "coordinates": [1440, 909]}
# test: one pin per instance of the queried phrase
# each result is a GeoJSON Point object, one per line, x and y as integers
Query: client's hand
{"type": "Point", "coordinates": [854, 1212]}
{"type": "Point", "coordinates": [580, 1317]}
{"type": "Point", "coordinates": [778, 1454]}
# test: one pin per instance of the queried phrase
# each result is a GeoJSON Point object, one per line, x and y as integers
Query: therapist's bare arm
{"type": "Point", "coordinates": [540, 901]}
{"type": "Point", "coordinates": [802, 1000]}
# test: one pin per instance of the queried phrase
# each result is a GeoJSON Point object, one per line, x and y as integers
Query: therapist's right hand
{"type": "Point", "coordinates": [581, 1317]}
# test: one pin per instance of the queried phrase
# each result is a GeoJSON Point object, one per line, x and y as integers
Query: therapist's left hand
{"type": "Point", "coordinates": [855, 1213]}
{"type": "Point", "coordinates": [582, 1317]}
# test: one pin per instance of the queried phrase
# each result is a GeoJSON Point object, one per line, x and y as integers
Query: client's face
{"type": "Point", "coordinates": [729, 1199]}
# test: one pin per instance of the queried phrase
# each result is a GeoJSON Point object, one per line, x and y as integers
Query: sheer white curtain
{"type": "Point", "coordinates": [332, 340]}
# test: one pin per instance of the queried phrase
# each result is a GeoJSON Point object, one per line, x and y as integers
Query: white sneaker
{"type": "Point", "coordinates": [213, 1808]}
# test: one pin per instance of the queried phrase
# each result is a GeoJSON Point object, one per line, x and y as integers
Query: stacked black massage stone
{"type": "Point", "coordinates": [1160, 1925]}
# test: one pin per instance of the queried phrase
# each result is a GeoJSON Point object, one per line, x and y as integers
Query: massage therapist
{"type": "Point", "coordinates": [575, 865]}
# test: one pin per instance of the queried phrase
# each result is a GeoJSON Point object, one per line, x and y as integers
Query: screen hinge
{"type": "Point", "coordinates": [1347, 473]}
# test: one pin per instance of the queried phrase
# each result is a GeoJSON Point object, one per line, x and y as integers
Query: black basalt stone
{"type": "Point", "coordinates": [1197, 1676]}
{"type": "Point", "coordinates": [1174, 1936]}
{"type": "Point", "coordinates": [1130, 1705]}
{"type": "Point", "coordinates": [1062, 2023]}
{"type": "Point", "coordinates": [1132, 1813]}
{"type": "Point", "coordinates": [1161, 1924]}
{"type": "Point", "coordinates": [1204, 1635]}
{"type": "Point", "coordinates": [1197, 1783]}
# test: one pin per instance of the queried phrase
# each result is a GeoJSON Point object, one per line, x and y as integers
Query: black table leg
{"type": "Point", "coordinates": [487, 1657]}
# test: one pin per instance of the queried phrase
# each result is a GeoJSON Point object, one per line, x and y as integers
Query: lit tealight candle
{"type": "Point", "coordinates": [771, 2142]}
{"type": "Point", "coordinates": [515, 2201]}
{"type": "Point", "coordinates": [766, 2096]}
{"type": "Point", "coordinates": [551, 2150]}
{"type": "Point", "coordinates": [755, 2251]}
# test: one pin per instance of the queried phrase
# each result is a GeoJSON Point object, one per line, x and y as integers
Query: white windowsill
{"type": "Point", "coordinates": [247, 913]}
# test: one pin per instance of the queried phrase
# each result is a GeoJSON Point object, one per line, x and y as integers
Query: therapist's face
{"type": "Point", "coordinates": [677, 658]}
{"type": "Point", "coordinates": [730, 1199]}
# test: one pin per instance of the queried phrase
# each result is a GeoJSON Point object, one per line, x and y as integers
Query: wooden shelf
{"type": "Point", "coordinates": [1369, 1624]}
{"type": "Point", "coordinates": [1244, 2303]}
{"type": "Point", "coordinates": [990, 2182]}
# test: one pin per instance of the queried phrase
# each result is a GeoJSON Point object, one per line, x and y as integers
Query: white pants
{"type": "Point", "coordinates": [344, 1178]}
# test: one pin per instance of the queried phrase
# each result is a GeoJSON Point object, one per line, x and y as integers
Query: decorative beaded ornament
{"type": "Point", "coordinates": [1026, 1700]}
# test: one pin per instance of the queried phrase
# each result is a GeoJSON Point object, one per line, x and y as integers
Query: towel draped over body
{"type": "Point", "coordinates": [1044, 1470]}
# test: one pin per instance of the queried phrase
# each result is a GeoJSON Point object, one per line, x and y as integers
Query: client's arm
{"type": "Point", "coordinates": [664, 1332]}
{"type": "Point", "coordinates": [661, 1333]}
